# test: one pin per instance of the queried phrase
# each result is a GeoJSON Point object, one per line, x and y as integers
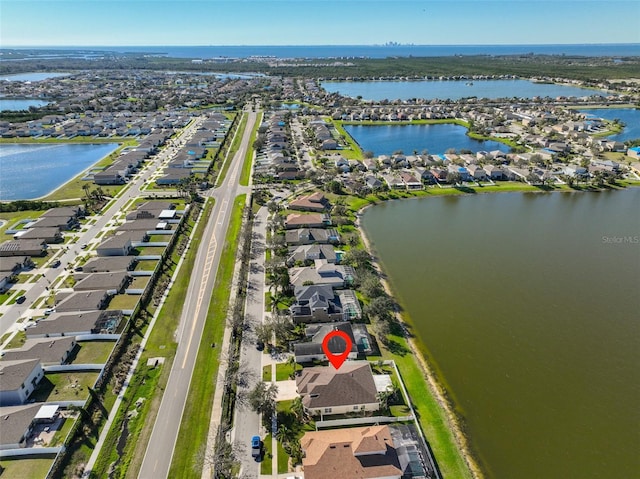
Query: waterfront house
{"type": "Point", "coordinates": [311, 349]}
{"type": "Point", "coordinates": [325, 390]}
{"type": "Point", "coordinates": [322, 273]}
{"type": "Point", "coordinates": [303, 236]}
{"type": "Point", "coordinates": [357, 453]}
{"type": "Point", "coordinates": [311, 220]}
{"type": "Point", "coordinates": [309, 253]}
{"type": "Point", "coordinates": [314, 202]}
{"type": "Point", "coordinates": [316, 303]}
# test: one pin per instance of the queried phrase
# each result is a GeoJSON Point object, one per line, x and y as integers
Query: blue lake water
{"type": "Point", "coordinates": [385, 139]}
{"type": "Point", "coordinates": [32, 171]}
{"type": "Point", "coordinates": [629, 116]}
{"type": "Point", "coordinates": [34, 76]}
{"type": "Point", "coordinates": [452, 89]}
{"type": "Point", "coordinates": [7, 104]}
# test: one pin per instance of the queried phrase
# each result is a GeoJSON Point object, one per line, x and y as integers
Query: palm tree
{"type": "Point", "coordinates": [291, 361]}
{"type": "Point", "coordinates": [297, 408]}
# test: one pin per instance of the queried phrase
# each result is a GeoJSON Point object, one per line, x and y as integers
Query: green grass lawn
{"type": "Point", "coordinates": [195, 420]}
{"type": "Point", "coordinates": [248, 160]}
{"type": "Point", "coordinates": [147, 250]}
{"type": "Point", "coordinates": [432, 417]}
{"type": "Point", "coordinates": [67, 386]}
{"type": "Point", "coordinates": [26, 467]}
{"type": "Point", "coordinates": [18, 340]}
{"type": "Point", "coordinates": [266, 373]}
{"type": "Point", "coordinates": [124, 301]}
{"type": "Point", "coordinates": [283, 459]}
{"type": "Point", "coordinates": [13, 217]}
{"type": "Point", "coordinates": [146, 265]}
{"type": "Point", "coordinates": [61, 434]}
{"type": "Point", "coordinates": [139, 282]}
{"type": "Point", "coordinates": [93, 352]}
{"type": "Point", "coordinates": [284, 371]}
{"type": "Point", "coordinates": [267, 457]}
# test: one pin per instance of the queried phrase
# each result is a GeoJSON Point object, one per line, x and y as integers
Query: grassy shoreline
{"type": "Point", "coordinates": [438, 413]}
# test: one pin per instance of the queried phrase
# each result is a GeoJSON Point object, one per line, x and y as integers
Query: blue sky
{"type": "Point", "coordinates": [316, 22]}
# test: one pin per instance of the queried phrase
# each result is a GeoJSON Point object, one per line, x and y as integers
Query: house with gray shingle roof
{"type": "Point", "coordinates": [325, 390]}
{"type": "Point", "coordinates": [18, 379]}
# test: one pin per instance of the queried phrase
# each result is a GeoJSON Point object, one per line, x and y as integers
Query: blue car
{"type": "Point", "coordinates": [256, 446]}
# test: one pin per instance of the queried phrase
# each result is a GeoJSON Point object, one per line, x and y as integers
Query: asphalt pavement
{"type": "Point", "coordinates": [160, 449]}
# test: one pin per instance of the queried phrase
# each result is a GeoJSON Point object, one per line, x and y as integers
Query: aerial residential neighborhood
{"type": "Point", "coordinates": [179, 307]}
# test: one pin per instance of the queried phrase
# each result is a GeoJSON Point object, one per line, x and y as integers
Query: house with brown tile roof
{"type": "Point", "coordinates": [311, 220]}
{"type": "Point", "coordinates": [354, 453]}
{"type": "Point", "coordinates": [314, 202]}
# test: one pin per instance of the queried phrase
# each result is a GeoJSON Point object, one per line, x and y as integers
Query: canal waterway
{"type": "Point", "coordinates": [527, 306]}
{"type": "Point", "coordinates": [436, 139]}
{"type": "Point", "coordinates": [32, 171]}
{"type": "Point", "coordinates": [453, 89]}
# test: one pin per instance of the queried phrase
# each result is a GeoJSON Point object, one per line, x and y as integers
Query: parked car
{"type": "Point", "coordinates": [48, 311]}
{"type": "Point", "coordinates": [21, 299]}
{"type": "Point", "coordinates": [83, 246]}
{"type": "Point", "coordinates": [55, 264]}
{"type": "Point", "coordinates": [256, 447]}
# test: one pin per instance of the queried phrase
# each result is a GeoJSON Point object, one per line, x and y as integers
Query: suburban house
{"type": "Point", "coordinates": [303, 236]}
{"type": "Point", "coordinates": [23, 247]}
{"type": "Point", "coordinates": [47, 235]}
{"type": "Point", "coordinates": [76, 324]}
{"type": "Point", "coordinates": [315, 202]}
{"type": "Point", "coordinates": [19, 379]}
{"type": "Point", "coordinates": [83, 301]}
{"type": "Point", "coordinates": [117, 245]}
{"type": "Point", "coordinates": [311, 350]}
{"type": "Point", "coordinates": [17, 424]}
{"type": "Point", "coordinates": [357, 453]}
{"type": "Point", "coordinates": [311, 252]}
{"type": "Point", "coordinates": [316, 303]}
{"type": "Point", "coordinates": [106, 264]}
{"type": "Point", "coordinates": [113, 283]}
{"type": "Point", "coordinates": [311, 220]}
{"type": "Point", "coordinates": [322, 273]}
{"type": "Point", "coordinates": [48, 351]}
{"type": "Point", "coordinates": [326, 390]}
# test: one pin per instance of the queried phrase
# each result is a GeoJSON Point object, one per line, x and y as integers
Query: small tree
{"type": "Point", "coordinates": [262, 400]}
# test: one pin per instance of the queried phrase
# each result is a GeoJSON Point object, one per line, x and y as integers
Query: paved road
{"type": "Point", "coordinates": [159, 454]}
{"type": "Point", "coordinates": [246, 421]}
{"type": "Point", "coordinates": [10, 314]}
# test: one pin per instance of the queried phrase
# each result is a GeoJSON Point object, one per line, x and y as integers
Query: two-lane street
{"type": "Point", "coordinates": [160, 449]}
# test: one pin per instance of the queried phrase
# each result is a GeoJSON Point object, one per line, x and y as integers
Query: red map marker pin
{"type": "Point", "coordinates": [332, 346]}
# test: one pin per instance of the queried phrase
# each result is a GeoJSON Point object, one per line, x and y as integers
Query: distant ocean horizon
{"type": "Point", "coordinates": [339, 51]}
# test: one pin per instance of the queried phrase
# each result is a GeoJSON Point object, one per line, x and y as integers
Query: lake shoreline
{"type": "Point", "coordinates": [437, 390]}
{"type": "Point", "coordinates": [454, 420]}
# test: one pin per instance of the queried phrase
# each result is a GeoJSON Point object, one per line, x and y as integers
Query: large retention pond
{"type": "Point", "coordinates": [32, 171]}
{"type": "Point", "coordinates": [527, 305]}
